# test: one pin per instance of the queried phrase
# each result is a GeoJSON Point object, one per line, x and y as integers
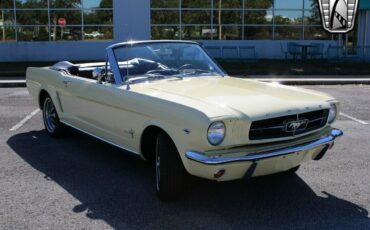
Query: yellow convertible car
{"type": "Point", "coordinates": [170, 103]}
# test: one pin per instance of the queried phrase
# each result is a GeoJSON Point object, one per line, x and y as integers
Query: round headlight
{"type": "Point", "coordinates": [216, 133]}
{"type": "Point", "coordinates": [332, 113]}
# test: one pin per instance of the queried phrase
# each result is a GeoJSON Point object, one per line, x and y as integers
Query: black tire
{"type": "Point", "coordinates": [169, 171]}
{"type": "Point", "coordinates": [292, 170]}
{"type": "Point", "coordinates": [53, 126]}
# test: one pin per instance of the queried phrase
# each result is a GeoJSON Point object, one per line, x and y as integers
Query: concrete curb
{"type": "Point", "coordinates": [317, 81]}
{"type": "Point", "coordinates": [12, 83]}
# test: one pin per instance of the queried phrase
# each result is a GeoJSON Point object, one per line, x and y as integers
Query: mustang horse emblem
{"type": "Point", "coordinates": [338, 16]}
{"type": "Point", "coordinates": [296, 125]}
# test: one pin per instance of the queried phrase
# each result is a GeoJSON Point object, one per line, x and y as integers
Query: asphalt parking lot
{"type": "Point", "coordinates": [80, 183]}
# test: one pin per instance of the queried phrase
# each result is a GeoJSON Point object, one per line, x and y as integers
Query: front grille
{"type": "Point", "coordinates": [281, 127]}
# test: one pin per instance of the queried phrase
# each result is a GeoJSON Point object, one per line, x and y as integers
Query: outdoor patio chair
{"type": "Point", "coordinates": [284, 50]}
{"type": "Point", "coordinates": [294, 49]}
{"type": "Point", "coordinates": [214, 51]}
{"type": "Point", "coordinates": [247, 53]}
{"type": "Point", "coordinates": [367, 53]}
{"type": "Point", "coordinates": [316, 50]}
{"type": "Point", "coordinates": [230, 53]}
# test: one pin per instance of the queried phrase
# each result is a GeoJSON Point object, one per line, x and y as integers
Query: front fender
{"type": "Point", "coordinates": [177, 134]}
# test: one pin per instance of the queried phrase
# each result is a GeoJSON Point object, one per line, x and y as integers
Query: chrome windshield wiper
{"type": "Point", "coordinates": [199, 71]}
{"type": "Point", "coordinates": [149, 77]}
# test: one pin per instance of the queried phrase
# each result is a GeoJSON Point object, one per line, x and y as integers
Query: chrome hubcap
{"type": "Point", "coordinates": [50, 115]}
{"type": "Point", "coordinates": [157, 166]}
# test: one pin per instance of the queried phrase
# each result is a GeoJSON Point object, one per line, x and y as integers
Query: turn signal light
{"type": "Point", "coordinates": [219, 173]}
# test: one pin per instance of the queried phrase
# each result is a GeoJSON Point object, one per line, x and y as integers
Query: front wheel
{"type": "Point", "coordinates": [53, 126]}
{"type": "Point", "coordinates": [169, 170]}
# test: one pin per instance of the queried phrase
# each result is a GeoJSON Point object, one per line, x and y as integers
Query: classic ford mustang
{"type": "Point", "coordinates": [170, 103]}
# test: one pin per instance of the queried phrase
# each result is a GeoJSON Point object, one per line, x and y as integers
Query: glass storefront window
{"type": "Point", "coordinates": [288, 17]}
{"type": "Point", "coordinates": [98, 17]}
{"type": "Point", "coordinates": [33, 33]}
{"type": "Point", "coordinates": [196, 4]}
{"type": "Point", "coordinates": [98, 32]}
{"type": "Point", "coordinates": [97, 4]}
{"type": "Point", "coordinates": [7, 33]}
{"type": "Point", "coordinates": [229, 33]}
{"type": "Point", "coordinates": [312, 18]}
{"type": "Point", "coordinates": [234, 17]}
{"type": "Point", "coordinates": [32, 4]}
{"type": "Point", "coordinates": [6, 4]}
{"type": "Point", "coordinates": [311, 5]}
{"type": "Point", "coordinates": [196, 17]}
{"type": "Point", "coordinates": [289, 4]}
{"type": "Point", "coordinates": [64, 20]}
{"type": "Point", "coordinates": [316, 33]}
{"type": "Point", "coordinates": [165, 17]}
{"type": "Point", "coordinates": [258, 17]}
{"type": "Point", "coordinates": [6, 17]}
{"type": "Point", "coordinates": [32, 17]}
{"type": "Point", "coordinates": [288, 33]}
{"type": "Point", "coordinates": [164, 3]}
{"type": "Point", "coordinates": [258, 4]}
{"type": "Point", "coordinates": [67, 33]}
{"type": "Point", "coordinates": [165, 32]}
{"type": "Point", "coordinates": [229, 4]}
{"type": "Point", "coordinates": [196, 32]}
{"type": "Point", "coordinates": [74, 4]}
{"type": "Point", "coordinates": [258, 33]}
{"type": "Point", "coordinates": [72, 17]}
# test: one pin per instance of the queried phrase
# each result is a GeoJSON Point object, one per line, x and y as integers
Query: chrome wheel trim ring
{"type": "Point", "coordinates": [157, 166]}
{"type": "Point", "coordinates": [50, 115]}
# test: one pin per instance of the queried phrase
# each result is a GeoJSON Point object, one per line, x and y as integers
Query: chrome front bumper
{"type": "Point", "coordinates": [254, 157]}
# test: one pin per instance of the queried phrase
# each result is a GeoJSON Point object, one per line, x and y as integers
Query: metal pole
{"type": "Point", "coordinates": [15, 20]}
{"type": "Point", "coordinates": [219, 20]}
{"type": "Point", "coordinates": [49, 21]}
{"type": "Point", "coordinates": [180, 15]}
{"type": "Point", "coordinates": [367, 30]}
{"type": "Point", "coordinates": [3, 26]}
{"type": "Point", "coordinates": [212, 7]}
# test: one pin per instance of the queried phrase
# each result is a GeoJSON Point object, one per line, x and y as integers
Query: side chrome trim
{"type": "Point", "coordinates": [325, 140]}
{"type": "Point", "coordinates": [59, 102]}
{"type": "Point", "coordinates": [102, 139]}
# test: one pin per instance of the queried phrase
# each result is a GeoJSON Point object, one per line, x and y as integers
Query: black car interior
{"type": "Point", "coordinates": [136, 66]}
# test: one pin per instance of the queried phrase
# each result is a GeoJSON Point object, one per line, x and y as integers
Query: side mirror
{"type": "Point", "coordinates": [98, 74]}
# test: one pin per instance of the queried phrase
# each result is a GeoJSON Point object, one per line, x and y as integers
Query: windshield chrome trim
{"type": "Point", "coordinates": [120, 80]}
{"type": "Point", "coordinates": [114, 66]}
{"type": "Point", "coordinates": [131, 43]}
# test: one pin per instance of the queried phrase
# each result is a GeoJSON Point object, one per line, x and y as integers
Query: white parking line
{"type": "Point", "coordinates": [354, 119]}
{"type": "Point", "coordinates": [24, 120]}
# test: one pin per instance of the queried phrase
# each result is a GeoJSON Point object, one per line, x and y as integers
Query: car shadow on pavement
{"type": "Point", "coordinates": [119, 189]}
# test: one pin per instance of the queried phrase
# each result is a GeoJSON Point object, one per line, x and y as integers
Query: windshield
{"type": "Point", "coordinates": [152, 61]}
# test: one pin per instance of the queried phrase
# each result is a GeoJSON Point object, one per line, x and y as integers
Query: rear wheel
{"type": "Point", "coordinates": [169, 170]}
{"type": "Point", "coordinates": [53, 126]}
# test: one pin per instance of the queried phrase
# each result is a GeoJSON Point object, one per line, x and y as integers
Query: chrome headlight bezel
{"type": "Point", "coordinates": [216, 133]}
{"type": "Point", "coordinates": [333, 113]}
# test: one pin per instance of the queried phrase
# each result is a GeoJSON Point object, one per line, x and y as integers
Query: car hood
{"type": "Point", "coordinates": [228, 96]}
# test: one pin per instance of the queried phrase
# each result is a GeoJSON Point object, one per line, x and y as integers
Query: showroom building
{"type": "Point", "coordinates": [52, 30]}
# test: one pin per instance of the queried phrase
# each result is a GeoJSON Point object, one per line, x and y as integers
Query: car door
{"type": "Point", "coordinates": [98, 109]}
